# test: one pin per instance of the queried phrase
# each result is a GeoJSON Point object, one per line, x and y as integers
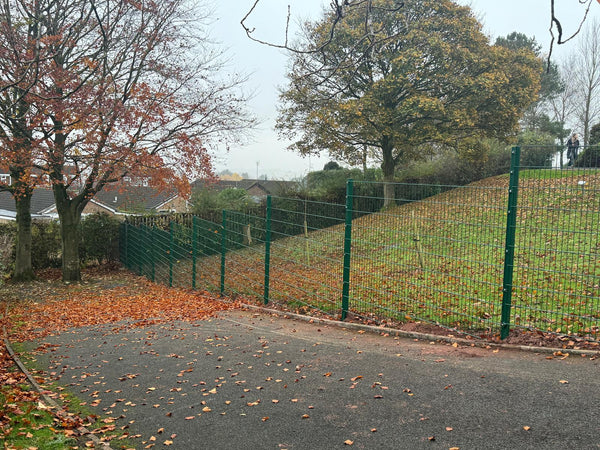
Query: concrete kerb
{"type": "Point", "coordinates": [48, 400]}
{"type": "Point", "coordinates": [422, 336]}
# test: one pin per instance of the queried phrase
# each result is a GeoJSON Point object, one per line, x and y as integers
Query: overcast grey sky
{"type": "Point", "coordinates": [266, 65]}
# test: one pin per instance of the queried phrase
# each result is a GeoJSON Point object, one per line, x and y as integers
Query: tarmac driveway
{"type": "Point", "coordinates": [247, 380]}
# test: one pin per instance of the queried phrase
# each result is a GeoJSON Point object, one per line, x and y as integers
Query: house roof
{"type": "Point", "coordinates": [270, 187]}
{"type": "Point", "coordinates": [41, 200]}
{"type": "Point", "coordinates": [127, 198]}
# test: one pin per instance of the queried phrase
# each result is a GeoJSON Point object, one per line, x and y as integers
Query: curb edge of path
{"type": "Point", "coordinates": [83, 431]}
{"type": "Point", "coordinates": [422, 336]}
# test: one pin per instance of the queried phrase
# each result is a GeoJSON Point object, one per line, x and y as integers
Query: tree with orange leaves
{"type": "Point", "coordinates": [19, 68]}
{"type": "Point", "coordinates": [114, 88]}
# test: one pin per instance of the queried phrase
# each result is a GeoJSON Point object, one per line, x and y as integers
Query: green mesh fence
{"type": "Point", "coordinates": [206, 270]}
{"type": "Point", "coordinates": [244, 262]}
{"type": "Point", "coordinates": [556, 286]}
{"type": "Point", "coordinates": [306, 252]}
{"type": "Point", "coordinates": [516, 251]}
{"type": "Point", "coordinates": [427, 256]}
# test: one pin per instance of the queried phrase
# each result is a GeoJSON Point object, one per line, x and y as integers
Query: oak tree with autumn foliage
{"type": "Point", "coordinates": [107, 89]}
{"type": "Point", "coordinates": [422, 73]}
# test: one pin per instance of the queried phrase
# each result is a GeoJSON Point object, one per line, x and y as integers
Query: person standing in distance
{"type": "Point", "coordinates": [572, 148]}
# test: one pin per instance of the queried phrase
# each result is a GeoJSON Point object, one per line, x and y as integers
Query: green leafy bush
{"type": "Point", "coordinates": [235, 199]}
{"type": "Point", "coordinates": [7, 248]}
{"type": "Point", "coordinates": [99, 242]}
{"type": "Point", "coordinates": [590, 157]}
{"type": "Point", "coordinates": [46, 245]}
{"type": "Point", "coordinates": [451, 168]}
{"type": "Point", "coordinates": [204, 202]}
{"type": "Point", "coordinates": [330, 185]}
{"type": "Point", "coordinates": [595, 135]}
{"type": "Point", "coordinates": [537, 149]}
{"type": "Point", "coordinates": [99, 238]}
{"type": "Point", "coordinates": [208, 203]}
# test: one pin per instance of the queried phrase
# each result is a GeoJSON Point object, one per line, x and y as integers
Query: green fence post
{"type": "Point", "coordinates": [347, 247]}
{"type": "Point", "coordinates": [509, 251]}
{"type": "Point", "coordinates": [152, 254]}
{"type": "Point", "coordinates": [171, 249]}
{"type": "Point", "coordinates": [126, 238]}
{"type": "Point", "coordinates": [138, 251]}
{"type": "Point", "coordinates": [194, 249]}
{"type": "Point", "coordinates": [267, 251]}
{"type": "Point", "coordinates": [223, 250]}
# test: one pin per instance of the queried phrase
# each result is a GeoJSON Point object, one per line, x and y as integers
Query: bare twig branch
{"type": "Point", "coordinates": [555, 23]}
{"type": "Point", "coordinates": [338, 9]}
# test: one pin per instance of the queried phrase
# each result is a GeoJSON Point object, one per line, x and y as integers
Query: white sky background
{"type": "Point", "coordinates": [266, 66]}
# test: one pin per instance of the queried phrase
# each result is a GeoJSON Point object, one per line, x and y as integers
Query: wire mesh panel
{"type": "Point", "coordinates": [306, 254]}
{"type": "Point", "coordinates": [245, 254]}
{"type": "Point", "coordinates": [144, 252]}
{"type": "Point", "coordinates": [207, 242]}
{"type": "Point", "coordinates": [181, 255]}
{"type": "Point", "coordinates": [161, 248]}
{"type": "Point", "coordinates": [430, 253]}
{"type": "Point", "coordinates": [123, 244]}
{"type": "Point", "coordinates": [556, 285]}
{"type": "Point", "coordinates": [135, 246]}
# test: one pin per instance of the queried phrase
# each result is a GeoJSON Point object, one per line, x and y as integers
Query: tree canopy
{"type": "Point", "coordinates": [96, 90]}
{"type": "Point", "coordinates": [536, 117]}
{"type": "Point", "coordinates": [429, 77]}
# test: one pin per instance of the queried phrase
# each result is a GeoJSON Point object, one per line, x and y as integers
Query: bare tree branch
{"type": "Point", "coordinates": [338, 9]}
{"type": "Point", "coordinates": [555, 23]}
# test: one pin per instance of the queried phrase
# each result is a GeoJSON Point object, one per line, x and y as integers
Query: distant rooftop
{"type": "Point", "coordinates": [41, 201]}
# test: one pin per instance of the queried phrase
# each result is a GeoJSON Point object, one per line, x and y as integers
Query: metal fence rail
{"type": "Point", "coordinates": [514, 251]}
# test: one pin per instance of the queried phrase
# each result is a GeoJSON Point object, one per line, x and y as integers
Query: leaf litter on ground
{"type": "Point", "coordinates": [47, 306]}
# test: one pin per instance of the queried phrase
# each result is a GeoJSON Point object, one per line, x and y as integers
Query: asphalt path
{"type": "Point", "coordinates": [248, 380]}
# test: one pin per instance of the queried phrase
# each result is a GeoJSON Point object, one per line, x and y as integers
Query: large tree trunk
{"type": "Point", "coordinates": [23, 270]}
{"type": "Point", "coordinates": [69, 230]}
{"type": "Point", "coordinates": [70, 218]}
{"type": "Point", "coordinates": [388, 167]}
